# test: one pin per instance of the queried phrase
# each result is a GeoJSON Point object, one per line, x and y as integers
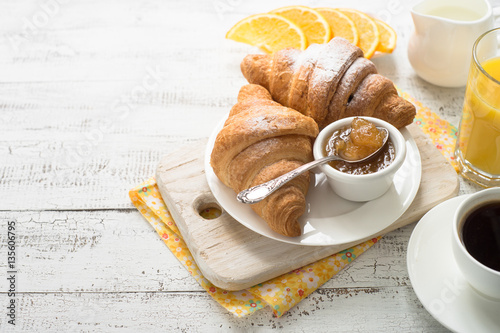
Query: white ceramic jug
{"type": "Point", "coordinates": [440, 48]}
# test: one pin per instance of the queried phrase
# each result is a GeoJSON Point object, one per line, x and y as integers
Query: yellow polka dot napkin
{"type": "Point", "coordinates": [442, 133]}
{"type": "Point", "coordinates": [285, 291]}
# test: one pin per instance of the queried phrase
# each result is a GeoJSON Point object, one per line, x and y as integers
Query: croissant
{"type": "Point", "coordinates": [260, 141]}
{"type": "Point", "coordinates": [328, 82]}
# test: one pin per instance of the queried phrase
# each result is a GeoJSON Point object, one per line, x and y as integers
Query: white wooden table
{"type": "Point", "coordinates": [92, 94]}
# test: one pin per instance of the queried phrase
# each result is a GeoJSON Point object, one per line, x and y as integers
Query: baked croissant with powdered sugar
{"type": "Point", "coordinates": [328, 82]}
{"type": "Point", "coordinates": [260, 141]}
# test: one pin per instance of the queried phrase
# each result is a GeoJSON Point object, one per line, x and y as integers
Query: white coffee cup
{"type": "Point", "coordinates": [482, 278]}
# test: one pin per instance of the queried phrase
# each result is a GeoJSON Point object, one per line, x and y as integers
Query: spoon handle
{"type": "Point", "coordinates": [260, 192]}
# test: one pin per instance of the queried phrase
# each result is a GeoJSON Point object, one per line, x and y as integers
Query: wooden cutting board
{"type": "Point", "coordinates": [232, 256]}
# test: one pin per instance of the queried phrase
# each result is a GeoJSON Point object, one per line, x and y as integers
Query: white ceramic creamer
{"type": "Point", "coordinates": [440, 47]}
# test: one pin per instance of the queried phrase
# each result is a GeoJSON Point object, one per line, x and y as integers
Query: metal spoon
{"type": "Point", "coordinates": [260, 192]}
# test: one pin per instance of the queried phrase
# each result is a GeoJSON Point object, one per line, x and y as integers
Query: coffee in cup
{"type": "Point", "coordinates": [481, 234]}
{"type": "Point", "coordinates": [476, 241]}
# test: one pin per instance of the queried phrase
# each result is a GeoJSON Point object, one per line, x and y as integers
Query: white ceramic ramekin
{"type": "Point", "coordinates": [361, 187]}
{"type": "Point", "coordinates": [480, 277]}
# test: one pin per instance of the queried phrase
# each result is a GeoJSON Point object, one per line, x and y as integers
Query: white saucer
{"type": "Point", "coordinates": [437, 280]}
{"type": "Point", "coordinates": [329, 219]}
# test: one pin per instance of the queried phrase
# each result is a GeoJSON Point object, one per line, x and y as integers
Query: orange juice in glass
{"type": "Point", "coordinates": [478, 143]}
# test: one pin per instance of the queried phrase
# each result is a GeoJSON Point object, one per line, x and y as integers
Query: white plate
{"type": "Point", "coordinates": [437, 280]}
{"type": "Point", "coordinates": [329, 219]}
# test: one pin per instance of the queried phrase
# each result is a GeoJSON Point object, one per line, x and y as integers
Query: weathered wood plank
{"type": "Point", "coordinates": [118, 251]}
{"type": "Point", "coordinates": [99, 251]}
{"type": "Point", "coordinates": [339, 310]}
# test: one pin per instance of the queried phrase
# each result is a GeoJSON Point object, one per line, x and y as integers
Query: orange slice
{"type": "Point", "coordinates": [367, 29]}
{"type": "Point", "coordinates": [341, 25]}
{"type": "Point", "coordinates": [269, 32]}
{"type": "Point", "coordinates": [314, 26]}
{"type": "Point", "coordinates": [388, 37]}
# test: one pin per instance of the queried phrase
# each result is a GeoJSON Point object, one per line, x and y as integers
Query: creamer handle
{"type": "Point", "coordinates": [496, 13]}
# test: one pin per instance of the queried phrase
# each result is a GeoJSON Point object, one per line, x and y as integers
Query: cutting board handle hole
{"type": "Point", "coordinates": [208, 210]}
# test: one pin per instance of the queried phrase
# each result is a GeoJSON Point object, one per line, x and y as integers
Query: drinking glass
{"type": "Point", "coordinates": [478, 143]}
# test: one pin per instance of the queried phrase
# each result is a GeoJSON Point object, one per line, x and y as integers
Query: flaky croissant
{"type": "Point", "coordinates": [328, 82]}
{"type": "Point", "coordinates": [260, 141]}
